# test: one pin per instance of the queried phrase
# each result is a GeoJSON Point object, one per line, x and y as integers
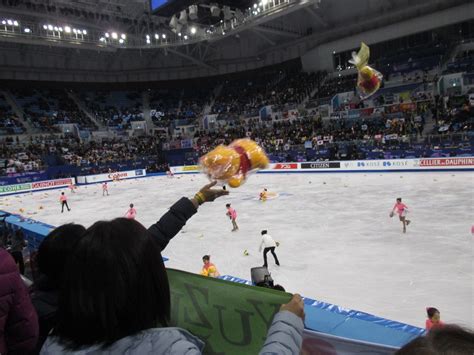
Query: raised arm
{"type": "Point", "coordinates": [174, 220]}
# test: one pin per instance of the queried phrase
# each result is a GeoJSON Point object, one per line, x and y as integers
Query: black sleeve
{"type": "Point", "coordinates": [172, 221]}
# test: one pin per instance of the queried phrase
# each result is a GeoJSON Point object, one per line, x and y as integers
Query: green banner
{"type": "Point", "coordinates": [230, 318]}
{"type": "Point", "coordinates": [14, 188]}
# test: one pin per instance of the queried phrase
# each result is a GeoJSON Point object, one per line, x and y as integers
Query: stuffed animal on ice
{"type": "Point", "coordinates": [231, 164]}
{"type": "Point", "coordinates": [368, 79]}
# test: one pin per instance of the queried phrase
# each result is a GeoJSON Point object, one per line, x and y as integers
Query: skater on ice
{"type": "Point", "coordinates": [232, 214]}
{"type": "Point", "coordinates": [268, 244]}
{"type": "Point", "coordinates": [402, 211]}
{"type": "Point", "coordinates": [434, 319]}
{"type": "Point", "coordinates": [63, 201]}
{"type": "Point", "coordinates": [105, 189]}
{"type": "Point", "coordinates": [209, 269]}
{"type": "Point", "coordinates": [131, 213]}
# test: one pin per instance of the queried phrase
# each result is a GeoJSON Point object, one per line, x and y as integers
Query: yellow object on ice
{"type": "Point", "coordinates": [369, 79]}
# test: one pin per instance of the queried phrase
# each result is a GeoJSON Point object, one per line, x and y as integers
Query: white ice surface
{"type": "Point", "coordinates": [338, 243]}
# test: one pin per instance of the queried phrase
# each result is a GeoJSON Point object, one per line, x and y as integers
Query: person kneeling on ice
{"type": "Point", "coordinates": [402, 211]}
{"type": "Point", "coordinates": [131, 213]}
{"type": "Point", "coordinates": [209, 269]}
{"type": "Point", "coordinates": [434, 319]}
{"type": "Point", "coordinates": [268, 244]}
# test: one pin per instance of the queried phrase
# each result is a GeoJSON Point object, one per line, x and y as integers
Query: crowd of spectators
{"type": "Point", "coordinates": [46, 108]}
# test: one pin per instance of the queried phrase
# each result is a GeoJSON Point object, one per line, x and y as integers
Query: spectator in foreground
{"type": "Point", "coordinates": [18, 244]}
{"type": "Point", "coordinates": [18, 319]}
{"type": "Point", "coordinates": [449, 340]}
{"type": "Point", "coordinates": [116, 299]}
{"type": "Point", "coordinates": [53, 253]}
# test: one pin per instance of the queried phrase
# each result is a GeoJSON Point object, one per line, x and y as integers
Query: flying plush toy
{"type": "Point", "coordinates": [231, 164]}
{"type": "Point", "coordinates": [369, 79]}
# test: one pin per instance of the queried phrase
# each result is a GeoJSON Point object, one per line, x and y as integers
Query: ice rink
{"type": "Point", "coordinates": [337, 242]}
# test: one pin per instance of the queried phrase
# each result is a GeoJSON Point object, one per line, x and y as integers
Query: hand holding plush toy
{"type": "Point", "coordinates": [369, 79]}
{"type": "Point", "coordinates": [232, 163]}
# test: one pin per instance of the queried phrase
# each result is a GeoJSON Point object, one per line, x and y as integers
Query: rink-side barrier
{"type": "Point", "coordinates": [359, 166]}
{"type": "Point", "coordinates": [340, 330]}
{"type": "Point", "coordinates": [119, 175]}
{"type": "Point", "coordinates": [35, 186]}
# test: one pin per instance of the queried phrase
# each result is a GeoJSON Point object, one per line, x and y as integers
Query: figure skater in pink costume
{"type": "Point", "coordinates": [402, 210]}
{"type": "Point", "coordinates": [131, 213]}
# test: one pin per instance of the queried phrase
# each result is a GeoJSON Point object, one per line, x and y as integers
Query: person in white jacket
{"type": "Point", "coordinates": [268, 245]}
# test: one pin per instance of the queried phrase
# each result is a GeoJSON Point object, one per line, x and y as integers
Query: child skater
{"type": "Point", "coordinates": [209, 269]}
{"type": "Point", "coordinates": [402, 210]}
{"type": "Point", "coordinates": [232, 214]}
{"type": "Point", "coordinates": [105, 189]}
{"type": "Point", "coordinates": [433, 320]}
{"type": "Point", "coordinates": [72, 188]}
{"type": "Point", "coordinates": [63, 201]}
{"type": "Point", "coordinates": [263, 195]}
{"type": "Point", "coordinates": [131, 213]}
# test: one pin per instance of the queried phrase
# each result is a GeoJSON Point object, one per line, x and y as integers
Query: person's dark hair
{"type": "Point", "coordinates": [447, 340]}
{"type": "Point", "coordinates": [227, 205]}
{"type": "Point", "coordinates": [264, 232]}
{"type": "Point", "coordinates": [131, 205]}
{"type": "Point", "coordinates": [116, 286]}
{"type": "Point", "coordinates": [56, 249]}
{"type": "Point", "coordinates": [62, 193]}
{"type": "Point", "coordinates": [399, 199]}
{"type": "Point", "coordinates": [431, 311]}
{"type": "Point", "coordinates": [206, 257]}
{"type": "Point", "coordinates": [279, 288]}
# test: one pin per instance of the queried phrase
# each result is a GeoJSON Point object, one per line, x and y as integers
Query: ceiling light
{"type": "Point", "coordinates": [179, 34]}
{"type": "Point", "coordinates": [121, 41]}
{"type": "Point", "coordinates": [123, 36]}
{"type": "Point", "coordinates": [148, 41]}
{"type": "Point", "coordinates": [157, 36]}
{"type": "Point", "coordinates": [107, 35]}
{"type": "Point", "coordinates": [147, 36]}
{"type": "Point", "coordinates": [50, 27]}
{"type": "Point", "coordinates": [44, 26]}
{"type": "Point", "coordinates": [114, 35]}
{"type": "Point", "coordinates": [74, 30]}
{"type": "Point", "coordinates": [193, 30]}
{"type": "Point", "coordinates": [27, 30]}
{"type": "Point", "coordinates": [84, 32]}
{"type": "Point", "coordinates": [163, 36]}
{"type": "Point", "coordinates": [255, 6]}
{"type": "Point", "coordinates": [56, 28]}
{"type": "Point", "coordinates": [10, 22]}
{"type": "Point", "coordinates": [67, 29]}
{"type": "Point", "coordinates": [15, 23]}
{"type": "Point", "coordinates": [5, 22]}
{"type": "Point", "coordinates": [185, 37]}
{"type": "Point", "coordinates": [79, 32]}
{"type": "Point", "coordinates": [60, 29]}
{"type": "Point", "coordinates": [102, 39]}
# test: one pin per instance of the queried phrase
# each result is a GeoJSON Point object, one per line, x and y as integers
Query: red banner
{"type": "Point", "coordinates": [283, 166]}
{"type": "Point", "coordinates": [447, 162]}
{"type": "Point", "coordinates": [50, 183]}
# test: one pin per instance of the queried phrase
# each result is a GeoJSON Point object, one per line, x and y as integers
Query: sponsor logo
{"type": "Point", "coordinates": [447, 162]}
{"type": "Point", "coordinates": [191, 168]}
{"type": "Point", "coordinates": [282, 166]}
{"type": "Point", "coordinates": [14, 188]}
{"type": "Point", "coordinates": [368, 164]}
{"type": "Point", "coordinates": [347, 164]}
{"type": "Point", "coordinates": [114, 176]}
{"type": "Point", "coordinates": [395, 163]}
{"type": "Point", "coordinates": [321, 165]}
{"type": "Point", "coordinates": [139, 172]}
{"type": "Point", "coordinates": [50, 183]}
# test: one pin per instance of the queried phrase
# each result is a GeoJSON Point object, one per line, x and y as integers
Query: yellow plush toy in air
{"type": "Point", "coordinates": [231, 164]}
{"type": "Point", "coordinates": [369, 79]}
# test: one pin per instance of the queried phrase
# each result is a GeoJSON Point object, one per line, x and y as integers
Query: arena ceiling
{"type": "Point", "coordinates": [263, 40]}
